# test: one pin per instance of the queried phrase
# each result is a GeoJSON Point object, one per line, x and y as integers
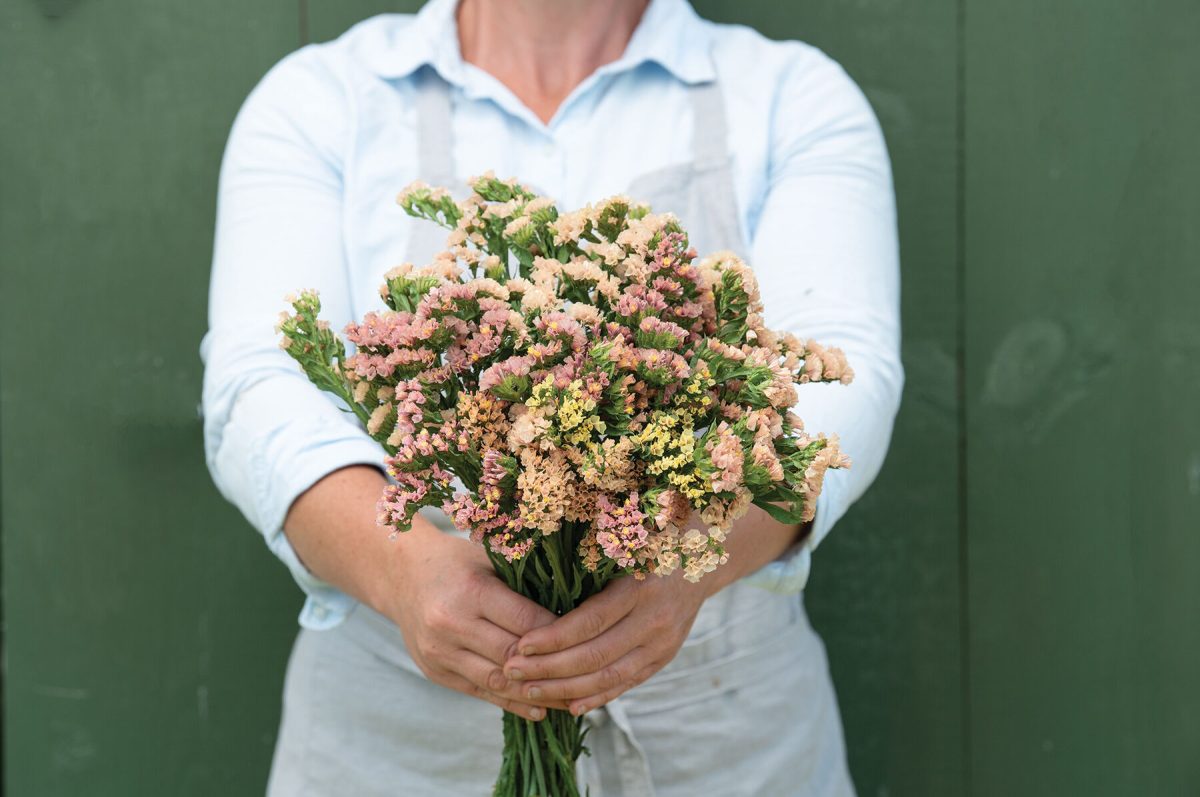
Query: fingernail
{"type": "Point", "coordinates": [534, 693]}
{"type": "Point", "coordinates": [516, 675]}
{"type": "Point", "coordinates": [528, 650]}
{"type": "Point", "coordinates": [578, 710]}
{"type": "Point", "coordinates": [536, 713]}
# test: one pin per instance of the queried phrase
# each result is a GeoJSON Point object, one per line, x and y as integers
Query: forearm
{"type": "Point", "coordinates": [458, 620]}
{"type": "Point", "coordinates": [757, 539]}
{"type": "Point", "coordinates": [332, 528]}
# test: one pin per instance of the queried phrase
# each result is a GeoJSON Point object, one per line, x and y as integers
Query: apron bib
{"type": "Point", "coordinates": [746, 708]}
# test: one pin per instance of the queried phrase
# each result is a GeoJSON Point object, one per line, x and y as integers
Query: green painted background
{"type": "Point", "coordinates": [1014, 609]}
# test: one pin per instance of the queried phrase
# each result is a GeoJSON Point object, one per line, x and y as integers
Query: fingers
{"type": "Point", "coordinates": [460, 684]}
{"type": "Point", "coordinates": [589, 657]}
{"type": "Point", "coordinates": [488, 682]}
{"type": "Point", "coordinates": [490, 641]}
{"type": "Point", "coordinates": [481, 672]}
{"type": "Point", "coordinates": [589, 620]}
{"type": "Point", "coordinates": [584, 705]}
{"type": "Point", "coordinates": [617, 676]}
{"type": "Point", "coordinates": [512, 612]}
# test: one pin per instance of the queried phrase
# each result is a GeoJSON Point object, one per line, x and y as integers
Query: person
{"type": "Point", "coordinates": [408, 644]}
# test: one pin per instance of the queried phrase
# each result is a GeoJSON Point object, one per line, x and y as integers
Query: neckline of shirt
{"type": "Point", "coordinates": [669, 34]}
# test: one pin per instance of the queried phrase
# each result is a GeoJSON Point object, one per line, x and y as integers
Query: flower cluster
{"type": "Point", "coordinates": [592, 384]}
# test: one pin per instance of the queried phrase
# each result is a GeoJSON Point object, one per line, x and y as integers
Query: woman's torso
{"type": "Point", "coordinates": [627, 128]}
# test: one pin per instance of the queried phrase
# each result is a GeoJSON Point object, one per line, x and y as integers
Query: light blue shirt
{"type": "Point", "coordinates": [325, 141]}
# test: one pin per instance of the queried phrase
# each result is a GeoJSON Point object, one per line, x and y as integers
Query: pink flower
{"type": "Point", "coordinates": [513, 367]}
{"type": "Point", "coordinates": [393, 330]}
{"type": "Point", "coordinates": [725, 451]}
{"type": "Point", "coordinates": [621, 529]}
{"type": "Point", "coordinates": [673, 511]}
{"type": "Point", "coordinates": [822, 364]}
{"type": "Point", "coordinates": [401, 501]}
{"type": "Point", "coordinates": [656, 333]}
{"type": "Point", "coordinates": [561, 328]}
{"type": "Point", "coordinates": [661, 366]}
{"type": "Point", "coordinates": [766, 418]}
{"type": "Point", "coordinates": [765, 457]}
{"type": "Point", "coordinates": [830, 456]}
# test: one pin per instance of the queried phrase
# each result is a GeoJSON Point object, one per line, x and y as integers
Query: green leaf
{"type": "Point", "coordinates": [790, 517]}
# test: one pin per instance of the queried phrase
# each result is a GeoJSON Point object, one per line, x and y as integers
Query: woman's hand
{"type": "Point", "coordinates": [458, 619]}
{"type": "Point", "coordinates": [616, 640]}
{"type": "Point", "coordinates": [607, 645]}
{"type": "Point", "coordinates": [460, 622]}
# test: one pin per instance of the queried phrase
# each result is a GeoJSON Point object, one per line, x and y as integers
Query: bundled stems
{"type": "Point", "coordinates": [539, 757]}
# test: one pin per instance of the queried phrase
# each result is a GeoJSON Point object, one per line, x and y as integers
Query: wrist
{"type": "Point", "coordinates": [755, 541]}
{"type": "Point", "coordinates": [398, 555]}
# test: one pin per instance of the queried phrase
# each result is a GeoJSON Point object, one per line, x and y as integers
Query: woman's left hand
{"type": "Point", "coordinates": [617, 639]}
{"type": "Point", "coordinates": [610, 643]}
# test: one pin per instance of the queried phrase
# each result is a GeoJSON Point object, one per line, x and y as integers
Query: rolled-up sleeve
{"type": "Point", "coordinates": [825, 250]}
{"type": "Point", "coordinates": [269, 434]}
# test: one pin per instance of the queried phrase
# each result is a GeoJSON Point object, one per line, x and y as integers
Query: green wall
{"type": "Point", "coordinates": [1012, 609]}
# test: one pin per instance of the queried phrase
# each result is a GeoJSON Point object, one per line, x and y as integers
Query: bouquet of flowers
{"type": "Point", "coordinates": [592, 387]}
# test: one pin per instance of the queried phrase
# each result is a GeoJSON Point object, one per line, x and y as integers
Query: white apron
{"type": "Point", "coordinates": [746, 709]}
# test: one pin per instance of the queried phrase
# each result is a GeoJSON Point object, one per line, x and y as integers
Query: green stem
{"type": "Point", "coordinates": [540, 757]}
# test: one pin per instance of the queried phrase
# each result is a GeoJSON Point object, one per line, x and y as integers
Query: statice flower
{"type": "Point", "coordinates": [578, 391]}
{"type": "Point", "coordinates": [621, 529]}
{"type": "Point", "coordinates": [727, 455]}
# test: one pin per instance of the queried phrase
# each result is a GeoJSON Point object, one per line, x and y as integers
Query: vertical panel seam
{"type": "Point", "coordinates": [302, 21]}
{"type": "Point", "coordinates": [3, 616]}
{"type": "Point", "coordinates": [964, 594]}
{"type": "Point", "coordinates": [3, 619]}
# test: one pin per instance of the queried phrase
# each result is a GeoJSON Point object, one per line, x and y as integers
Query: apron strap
{"type": "Point", "coordinates": [435, 133]}
{"type": "Point", "coordinates": [710, 135]}
{"type": "Point", "coordinates": [618, 764]}
{"type": "Point", "coordinates": [435, 160]}
{"type": "Point", "coordinates": [713, 206]}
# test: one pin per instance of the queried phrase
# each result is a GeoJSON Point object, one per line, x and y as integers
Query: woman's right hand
{"type": "Point", "coordinates": [460, 622]}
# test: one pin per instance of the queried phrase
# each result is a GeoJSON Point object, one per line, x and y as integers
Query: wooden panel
{"type": "Point", "coordinates": [1082, 195]}
{"type": "Point", "coordinates": [146, 625]}
{"type": "Point", "coordinates": [885, 587]}
{"type": "Point", "coordinates": [152, 664]}
{"type": "Point", "coordinates": [146, 628]}
{"type": "Point", "coordinates": [328, 19]}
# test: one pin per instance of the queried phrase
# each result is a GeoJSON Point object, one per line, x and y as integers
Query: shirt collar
{"type": "Point", "coordinates": [670, 34]}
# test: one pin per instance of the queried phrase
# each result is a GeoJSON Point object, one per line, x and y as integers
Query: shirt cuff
{"type": "Point", "coordinates": [326, 606]}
